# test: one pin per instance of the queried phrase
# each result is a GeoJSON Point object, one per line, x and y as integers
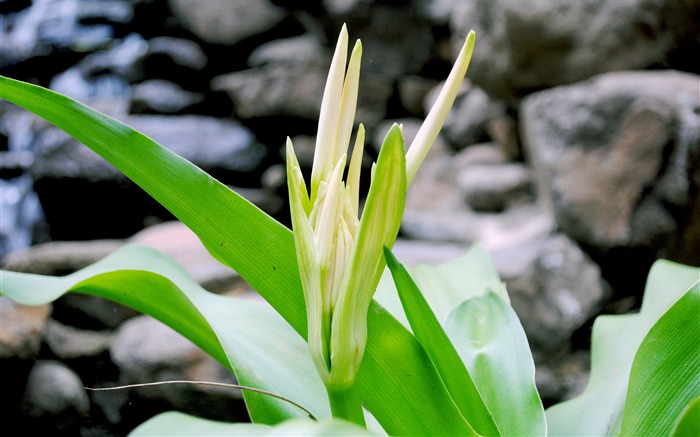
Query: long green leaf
{"type": "Point", "coordinates": [614, 343]}
{"type": "Point", "coordinates": [490, 340]}
{"type": "Point", "coordinates": [242, 237]}
{"type": "Point", "coordinates": [246, 336]}
{"type": "Point", "coordinates": [665, 374]}
{"type": "Point", "coordinates": [432, 337]}
{"type": "Point", "coordinates": [175, 424]}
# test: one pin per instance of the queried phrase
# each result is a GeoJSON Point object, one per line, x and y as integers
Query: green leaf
{"type": "Point", "coordinates": [490, 340]}
{"type": "Point", "coordinates": [665, 374]}
{"type": "Point", "coordinates": [688, 423]}
{"type": "Point", "coordinates": [246, 336]}
{"type": "Point", "coordinates": [446, 286]}
{"type": "Point", "coordinates": [244, 238]}
{"type": "Point", "coordinates": [179, 424]}
{"type": "Point", "coordinates": [442, 353]}
{"type": "Point", "coordinates": [614, 343]}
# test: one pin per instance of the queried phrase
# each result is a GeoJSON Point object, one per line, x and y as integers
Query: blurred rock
{"type": "Point", "coordinates": [178, 241]}
{"type": "Point", "coordinates": [617, 158]}
{"type": "Point", "coordinates": [148, 351]}
{"type": "Point", "coordinates": [527, 46]}
{"type": "Point", "coordinates": [161, 97]}
{"type": "Point", "coordinates": [55, 397]}
{"type": "Point", "coordinates": [413, 90]}
{"type": "Point", "coordinates": [21, 329]}
{"type": "Point", "coordinates": [226, 22]}
{"type": "Point", "coordinates": [466, 123]}
{"type": "Point", "coordinates": [493, 188]}
{"type": "Point", "coordinates": [176, 60]}
{"type": "Point", "coordinates": [59, 258]}
{"type": "Point", "coordinates": [69, 343]}
{"type": "Point", "coordinates": [304, 50]}
{"type": "Point", "coordinates": [554, 288]}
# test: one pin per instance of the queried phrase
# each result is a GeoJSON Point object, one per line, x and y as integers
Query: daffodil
{"type": "Point", "coordinates": [339, 252]}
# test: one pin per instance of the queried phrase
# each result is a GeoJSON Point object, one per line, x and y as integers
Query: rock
{"type": "Point", "coordinates": [161, 97]}
{"type": "Point", "coordinates": [617, 159]}
{"type": "Point", "coordinates": [495, 187]}
{"type": "Point", "coordinates": [177, 60]}
{"type": "Point", "coordinates": [466, 123]}
{"type": "Point", "coordinates": [554, 288]}
{"type": "Point", "coordinates": [413, 90]}
{"type": "Point", "coordinates": [275, 90]}
{"type": "Point", "coordinates": [179, 242]}
{"type": "Point", "coordinates": [148, 351]}
{"type": "Point", "coordinates": [527, 46]}
{"type": "Point", "coordinates": [223, 148]}
{"type": "Point", "coordinates": [22, 329]}
{"type": "Point", "coordinates": [304, 50]}
{"type": "Point", "coordinates": [20, 210]}
{"type": "Point", "coordinates": [226, 22]}
{"type": "Point", "coordinates": [55, 397]}
{"type": "Point", "coordinates": [503, 128]}
{"type": "Point", "coordinates": [59, 258]}
{"type": "Point", "coordinates": [68, 343]}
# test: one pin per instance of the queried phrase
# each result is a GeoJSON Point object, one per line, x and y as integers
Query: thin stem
{"type": "Point", "coordinates": [345, 403]}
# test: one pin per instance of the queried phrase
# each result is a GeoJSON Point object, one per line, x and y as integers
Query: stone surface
{"type": "Point", "coordinates": [527, 46]}
{"type": "Point", "coordinates": [178, 241]}
{"type": "Point", "coordinates": [21, 329]}
{"type": "Point", "coordinates": [157, 96]}
{"type": "Point", "coordinates": [59, 258]}
{"type": "Point", "coordinates": [495, 187]}
{"type": "Point", "coordinates": [69, 343]}
{"type": "Point", "coordinates": [55, 396]}
{"type": "Point", "coordinates": [146, 350]}
{"type": "Point", "coordinates": [304, 49]}
{"type": "Point", "coordinates": [226, 22]}
{"type": "Point", "coordinates": [617, 158]}
{"type": "Point", "coordinates": [554, 288]}
{"type": "Point", "coordinates": [466, 123]}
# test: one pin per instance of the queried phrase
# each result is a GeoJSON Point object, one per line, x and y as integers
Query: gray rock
{"type": "Point", "coordinates": [226, 22]}
{"type": "Point", "coordinates": [55, 395]}
{"type": "Point", "coordinates": [554, 288]}
{"type": "Point", "coordinates": [161, 97]}
{"type": "Point", "coordinates": [22, 329]}
{"type": "Point", "coordinates": [304, 49]}
{"type": "Point", "coordinates": [495, 187]}
{"type": "Point", "coordinates": [275, 90]}
{"type": "Point", "coordinates": [181, 52]}
{"type": "Point", "coordinates": [527, 46]}
{"type": "Point", "coordinates": [617, 159]}
{"type": "Point", "coordinates": [177, 60]}
{"type": "Point", "coordinates": [59, 258]}
{"type": "Point", "coordinates": [179, 242]}
{"type": "Point", "coordinates": [413, 90]}
{"type": "Point", "coordinates": [67, 342]}
{"type": "Point", "coordinates": [466, 123]}
{"type": "Point", "coordinates": [146, 350]}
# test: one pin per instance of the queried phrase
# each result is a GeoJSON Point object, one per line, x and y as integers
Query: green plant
{"type": "Point", "coordinates": [460, 365]}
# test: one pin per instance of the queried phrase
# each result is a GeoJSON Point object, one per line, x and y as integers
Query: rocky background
{"type": "Point", "coordinates": [572, 154]}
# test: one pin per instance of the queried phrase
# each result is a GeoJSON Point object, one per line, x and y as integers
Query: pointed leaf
{"type": "Point", "coordinates": [442, 353]}
{"type": "Point", "coordinates": [665, 374]}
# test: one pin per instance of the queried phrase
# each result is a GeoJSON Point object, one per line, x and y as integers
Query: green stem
{"type": "Point", "coordinates": [345, 403]}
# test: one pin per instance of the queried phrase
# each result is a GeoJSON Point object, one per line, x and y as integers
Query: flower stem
{"type": "Point", "coordinates": [345, 403]}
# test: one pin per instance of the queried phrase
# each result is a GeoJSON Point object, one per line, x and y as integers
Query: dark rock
{"type": "Point", "coordinates": [22, 329]}
{"type": "Point", "coordinates": [148, 351]}
{"type": "Point", "coordinates": [467, 122]}
{"type": "Point", "coordinates": [304, 50]}
{"type": "Point", "coordinates": [495, 187]}
{"type": "Point", "coordinates": [615, 158]}
{"type": "Point", "coordinates": [413, 90]}
{"type": "Point", "coordinates": [55, 397]}
{"type": "Point", "coordinates": [68, 343]}
{"type": "Point", "coordinates": [161, 97]}
{"type": "Point", "coordinates": [223, 148]}
{"type": "Point", "coordinates": [59, 258]}
{"type": "Point", "coordinates": [226, 22]}
{"type": "Point", "coordinates": [174, 59]}
{"type": "Point", "coordinates": [20, 210]}
{"type": "Point", "coordinates": [554, 288]}
{"type": "Point", "coordinates": [527, 46]}
{"type": "Point", "coordinates": [179, 242]}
